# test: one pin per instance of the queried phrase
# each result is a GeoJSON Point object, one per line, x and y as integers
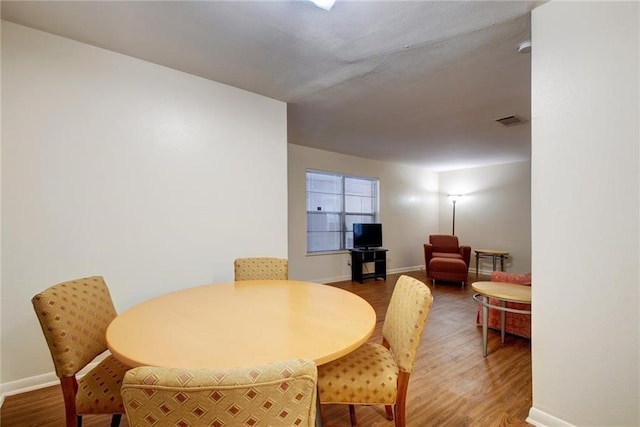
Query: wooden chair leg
{"type": "Point", "coordinates": [319, 409]}
{"type": "Point", "coordinates": [389, 409]}
{"type": "Point", "coordinates": [352, 415]}
{"type": "Point", "coordinates": [115, 420]}
{"type": "Point", "coordinates": [401, 399]}
{"type": "Point", "coordinates": [69, 389]}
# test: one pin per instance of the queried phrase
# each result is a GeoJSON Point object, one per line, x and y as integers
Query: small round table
{"type": "Point", "coordinates": [493, 254]}
{"type": "Point", "coordinates": [504, 292]}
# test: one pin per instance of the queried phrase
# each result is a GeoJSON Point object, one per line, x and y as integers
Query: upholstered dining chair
{"type": "Point", "coordinates": [276, 394]}
{"type": "Point", "coordinates": [265, 268]}
{"type": "Point", "coordinates": [379, 373]}
{"type": "Point", "coordinates": [74, 317]}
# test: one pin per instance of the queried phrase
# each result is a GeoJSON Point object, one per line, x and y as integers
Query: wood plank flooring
{"type": "Point", "coordinates": [451, 385]}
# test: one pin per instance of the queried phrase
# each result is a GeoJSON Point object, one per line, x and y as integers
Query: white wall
{"type": "Point", "coordinates": [408, 212]}
{"type": "Point", "coordinates": [1, 393]}
{"type": "Point", "coordinates": [495, 212]}
{"type": "Point", "coordinates": [585, 214]}
{"type": "Point", "coordinates": [151, 177]}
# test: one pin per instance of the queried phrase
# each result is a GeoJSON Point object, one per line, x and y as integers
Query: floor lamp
{"type": "Point", "coordinates": [454, 198]}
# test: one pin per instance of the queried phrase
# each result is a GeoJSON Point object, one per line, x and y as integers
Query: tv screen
{"type": "Point", "coordinates": [367, 235]}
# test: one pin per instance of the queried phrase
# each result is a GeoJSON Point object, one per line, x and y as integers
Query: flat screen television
{"type": "Point", "coordinates": [367, 236]}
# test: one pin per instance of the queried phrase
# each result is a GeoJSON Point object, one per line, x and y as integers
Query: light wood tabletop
{"type": "Point", "coordinates": [504, 291]}
{"type": "Point", "coordinates": [242, 324]}
{"type": "Point", "coordinates": [491, 252]}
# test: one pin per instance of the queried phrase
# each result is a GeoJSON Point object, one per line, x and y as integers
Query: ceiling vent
{"type": "Point", "coordinates": [510, 120]}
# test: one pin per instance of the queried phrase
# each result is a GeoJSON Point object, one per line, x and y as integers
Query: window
{"type": "Point", "coordinates": [334, 203]}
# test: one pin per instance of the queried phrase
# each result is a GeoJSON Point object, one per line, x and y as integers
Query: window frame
{"type": "Point", "coordinates": [343, 213]}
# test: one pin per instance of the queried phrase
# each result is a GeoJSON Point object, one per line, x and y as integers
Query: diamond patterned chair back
{"type": "Point", "coordinates": [379, 373]}
{"type": "Point", "coordinates": [405, 320]}
{"type": "Point", "coordinates": [265, 268]}
{"type": "Point", "coordinates": [74, 317]}
{"type": "Point", "coordinates": [276, 394]}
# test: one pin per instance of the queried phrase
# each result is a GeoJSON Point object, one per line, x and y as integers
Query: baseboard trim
{"type": "Point", "coordinates": [406, 269]}
{"type": "Point", "coordinates": [472, 272]}
{"type": "Point", "coordinates": [37, 382]}
{"type": "Point", "coordinates": [348, 277]}
{"type": "Point", "coordinates": [541, 419]}
{"type": "Point", "coordinates": [331, 279]}
{"type": "Point", "coordinates": [29, 384]}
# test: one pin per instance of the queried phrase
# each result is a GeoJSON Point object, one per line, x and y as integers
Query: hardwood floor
{"type": "Point", "coordinates": [451, 385]}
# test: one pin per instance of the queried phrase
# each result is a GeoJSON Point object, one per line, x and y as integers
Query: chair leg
{"type": "Point", "coordinates": [352, 415]}
{"type": "Point", "coordinates": [319, 409]}
{"type": "Point", "coordinates": [115, 420]}
{"type": "Point", "coordinates": [389, 409]}
{"type": "Point", "coordinates": [69, 389]}
{"type": "Point", "coordinates": [401, 399]}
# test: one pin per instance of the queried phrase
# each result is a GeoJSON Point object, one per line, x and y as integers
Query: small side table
{"type": "Point", "coordinates": [493, 254]}
{"type": "Point", "coordinates": [503, 292]}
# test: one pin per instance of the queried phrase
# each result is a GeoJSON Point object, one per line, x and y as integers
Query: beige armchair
{"type": "Point", "coordinates": [278, 394]}
{"type": "Point", "coordinates": [379, 373]}
{"type": "Point", "coordinates": [74, 317]}
{"type": "Point", "coordinates": [265, 268]}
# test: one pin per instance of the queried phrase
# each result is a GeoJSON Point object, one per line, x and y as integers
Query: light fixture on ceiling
{"type": "Point", "coordinates": [324, 4]}
{"type": "Point", "coordinates": [525, 47]}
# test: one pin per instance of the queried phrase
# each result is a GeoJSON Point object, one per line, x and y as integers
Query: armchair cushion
{"type": "Point", "coordinates": [448, 269]}
{"type": "Point", "coordinates": [444, 243]}
{"type": "Point", "coordinates": [446, 255]}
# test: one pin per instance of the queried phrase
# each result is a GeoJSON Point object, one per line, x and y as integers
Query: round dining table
{"type": "Point", "coordinates": [244, 323]}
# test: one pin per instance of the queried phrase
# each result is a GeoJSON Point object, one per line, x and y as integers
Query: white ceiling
{"type": "Point", "coordinates": [418, 82]}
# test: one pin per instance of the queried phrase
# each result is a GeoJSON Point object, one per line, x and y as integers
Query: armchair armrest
{"type": "Point", "coordinates": [465, 251]}
{"type": "Point", "coordinates": [428, 254]}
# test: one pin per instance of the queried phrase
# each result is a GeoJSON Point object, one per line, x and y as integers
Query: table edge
{"type": "Point", "coordinates": [500, 295]}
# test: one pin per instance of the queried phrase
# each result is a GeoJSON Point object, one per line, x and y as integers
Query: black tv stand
{"type": "Point", "coordinates": [360, 256]}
